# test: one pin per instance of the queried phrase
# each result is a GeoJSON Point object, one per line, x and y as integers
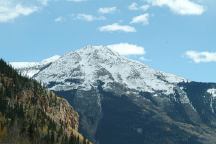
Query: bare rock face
{"type": "Point", "coordinates": [121, 101]}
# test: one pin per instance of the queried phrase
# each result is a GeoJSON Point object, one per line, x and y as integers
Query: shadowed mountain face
{"type": "Point", "coordinates": [121, 101]}
{"type": "Point", "coordinates": [143, 118]}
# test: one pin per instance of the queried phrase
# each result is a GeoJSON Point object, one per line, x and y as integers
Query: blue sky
{"type": "Point", "coordinates": [177, 36]}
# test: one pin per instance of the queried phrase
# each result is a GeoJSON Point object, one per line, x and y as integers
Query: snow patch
{"type": "Point", "coordinates": [212, 92]}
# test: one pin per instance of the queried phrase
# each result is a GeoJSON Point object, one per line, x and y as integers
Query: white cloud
{"type": "Point", "coordinates": [117, 27]}
{"type": "Point", "coordinates": [59, 19]}
{"type": "Point", "coordinates": [12, 9]}
{"type": "Point", "coordinates": [127, 49]}
{"type": "Point", "coordinates": [199, 57]}
{"type": "Point", "coordinates": [143, 19]}
{"type": "Point", "coordinates": [135, 7]}
{"type": "Point", "coordinates": [9, 13]}
{"type": "Point", "coordinates": [107, 10]}
{"type": "Point", "coordinates": [181, 7]}
{"type": "Point", "coordinates": [88, 17]}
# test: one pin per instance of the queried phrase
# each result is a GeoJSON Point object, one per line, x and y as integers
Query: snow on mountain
{"type": "Point", "coordinates": [19, 65]}
{"type": "Point", "coordinates": [86, 66]}
{"type": "Point", "coordinates": [212, 92]}
{"type": "Point", "coordinates": [51, 59]}
{"type": "Point", "coordinates": [29, 69]}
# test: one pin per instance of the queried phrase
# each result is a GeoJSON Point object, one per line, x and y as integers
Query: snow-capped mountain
{"type": "Point", "coordinates": [94, 63]}
{"type": "Point", "coordinates": [122, 101]}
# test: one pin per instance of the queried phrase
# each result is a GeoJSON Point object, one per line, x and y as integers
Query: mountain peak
{"type": "Point", "coordinates": [95, 48]}
{"type": "Point", "coordinates": [84, 67]}
{"type": "Point", "coordinates": [97, 52]}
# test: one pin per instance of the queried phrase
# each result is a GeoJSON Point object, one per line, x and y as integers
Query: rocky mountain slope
{"type": "Point", "coordinates": [121, 101]}
{"type": "Point", "coordinates": [30, 114]}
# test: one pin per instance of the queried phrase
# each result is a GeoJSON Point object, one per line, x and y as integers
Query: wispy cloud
{"type": "Point", "coordinates": [117, 27]}
{"type": "Point", "coordinates": [76, 0]}
{"type": "Point", "coordinates": [59, 19]}
{"type": "Point", "coordinates": [143, 59]}
{"type": "Point", "coordinates": [201, 57]}
{"type": "Point", "coordinates": [107, 10]}
{"type": "Point", "coordinates": [181, 7]}
{"type": "Point", "coordinates": [143, 19]}
{"type": "Point", "coordinates": [135, 7]}
{"type": "Point", "coordinates": [127, 49]}
{"type": "Point", "coordinates": [88, 17]}
{"type": "Point", "coordinates": [43, 2]}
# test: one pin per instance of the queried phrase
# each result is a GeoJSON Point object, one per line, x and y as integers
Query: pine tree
{"type": "Point", "coordinates": [72, 139]}
{"type": "Point", "coordinates": [31, 131]}
{"type": "Point", "coordinates": [52, 139]}
{"type": "Point", "coordinates": [78, 140]}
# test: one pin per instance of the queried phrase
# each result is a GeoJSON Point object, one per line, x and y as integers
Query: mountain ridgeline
{"type": "Point", "coordinates": [30, 114]}
{"type": "Point", "coordinates": [121, 101]}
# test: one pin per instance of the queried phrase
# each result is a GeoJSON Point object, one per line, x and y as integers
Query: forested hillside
{"type": "Point", "coordinates": [30, 114]}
